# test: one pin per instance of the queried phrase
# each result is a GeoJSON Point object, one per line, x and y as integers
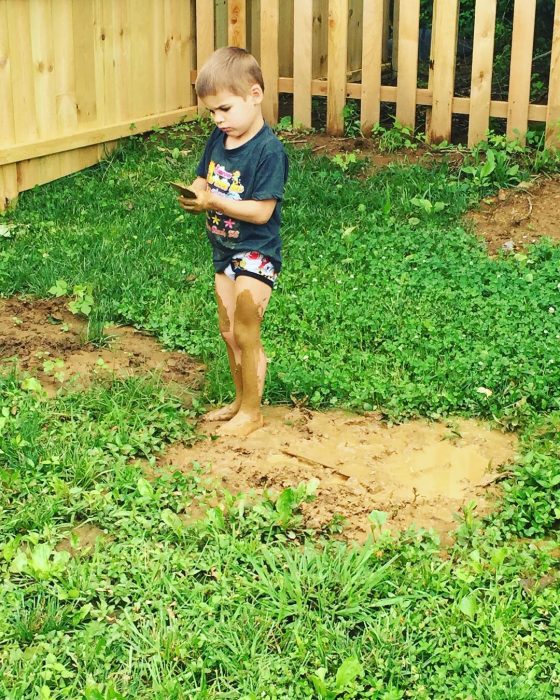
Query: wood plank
{"type": "Point", "coordinates": [142, 41]}
{"type": "Point", "coordinates": [122, 56]}
{"type": "Point", "coordinates": [407, 71]}
{"type": "Point", "coordinates": [337, 59]}
{"type": "Point", "coordinates": [8, 186]}
{"type": "Point", "coordinates": [553, 110]}
{"type": "Point", "coordinates": [355, 30]}
{"type": "Point", "coordinates": [204, 37]}
{"type": "Point", "coordinates": [371, 62]}
{"type": "Point", "coordinates": [396, 25]}
{"type": "Point", "coordinates": [43, 67]}
{"type": "Point", "coordinates": [188, 52]}
{"type": "Point", "coordinates": [481, 77]}
{"type": "Point", "coordinates": [269, 58]}
{"type": "Point", "coordinates": [37, 149]}
{"type": "Point", "coordinates": [303, 61]}
{"type": "Point", "coordinates": [159, 61]}
{"type": "Point", "coordinates": [237, 23]}
{"type": "Point", "coordinates": [444, 57]}
{"type": "Point", "coordinates": [520, 69]}
{"type": "Point", "coordinates": [65, 77]}
{"type": "Point", "coordinates": [22, 71]}
{"type": "Point", "coordinates": [7, 111]}
{"type": "Point", "coordinates": [84, 32]}
{"type": "Point", "coordinates": [386, 30]}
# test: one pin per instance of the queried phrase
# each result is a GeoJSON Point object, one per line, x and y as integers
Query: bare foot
{"type": "Point", "coordinates": [224, 413]}
{"type": "Point", "coordinates": [242, 425]}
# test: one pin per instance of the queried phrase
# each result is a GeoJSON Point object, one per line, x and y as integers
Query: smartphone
{"type": "Point", "coordinates": [183, 190]}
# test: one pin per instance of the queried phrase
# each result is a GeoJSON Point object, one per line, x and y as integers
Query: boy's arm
{"type": "Point", "coordinates": [254, 211]}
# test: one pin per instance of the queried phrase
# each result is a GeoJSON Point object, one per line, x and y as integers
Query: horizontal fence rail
{"type": "Point", "coordinates": [77, 75]}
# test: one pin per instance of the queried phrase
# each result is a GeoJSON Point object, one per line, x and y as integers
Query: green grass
{"type": "Point", "coordinates": [385, 301]}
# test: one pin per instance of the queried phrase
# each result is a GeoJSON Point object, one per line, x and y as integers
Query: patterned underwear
{"type": "Point", "coordinates": [252, 264]}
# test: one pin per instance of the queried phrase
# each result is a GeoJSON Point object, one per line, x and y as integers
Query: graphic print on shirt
{"type": "Point", "coordinates": [226, 184]}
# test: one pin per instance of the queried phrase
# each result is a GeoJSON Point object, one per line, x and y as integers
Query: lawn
{"type": "Point", "coordinates": [387, 303]}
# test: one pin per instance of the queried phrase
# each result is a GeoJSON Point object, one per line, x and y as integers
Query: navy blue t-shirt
{"type": "Point", "coordinates": [256, 170]}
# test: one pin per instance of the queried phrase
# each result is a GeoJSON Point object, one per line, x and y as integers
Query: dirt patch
{"type": "Point", "coordinates": [364, 148]}
{"type": "Point", "coordinates": [418, 472]}
{"type": "Point", "coordinates": [45, 339]}
{"type": "Point", "coordinates": [515, 218]}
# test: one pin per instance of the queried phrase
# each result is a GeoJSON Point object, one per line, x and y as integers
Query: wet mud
{"type": "Point", "coordinates": [419, 473]}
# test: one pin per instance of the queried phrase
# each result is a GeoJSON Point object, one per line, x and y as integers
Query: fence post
{"type": "Point", "coordinates": [336, 74]}
{"type": "Point", "coordinates": [269, 58]}
{"type": "Point", "coordinates": [444, 50]}
{"type": "Point", "coordinates": [372, 52]}
{"type": "Point", "coordinates": [553, 110]}
{"type": "Point", "coordinates": [481, 76]}
{"type": "Point", "coordinates": [303, 59]}
{"type": "Point", "coordinates": [520, 69]}
{"type": "Point", "coordinates": [407, 71]}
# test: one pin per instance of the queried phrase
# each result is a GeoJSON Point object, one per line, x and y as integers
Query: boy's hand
{"type": "Point", "coordinates": [198, 205]}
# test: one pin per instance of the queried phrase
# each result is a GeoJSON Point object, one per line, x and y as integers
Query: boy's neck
{"type": "Point", "coordinates": [236, 141]}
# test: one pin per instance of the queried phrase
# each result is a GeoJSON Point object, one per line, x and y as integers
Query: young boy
{"type": "Point", "coordinates": [240, 184]}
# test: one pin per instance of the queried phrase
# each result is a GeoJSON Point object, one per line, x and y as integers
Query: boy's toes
{"type": "Point", "coordinates": [241, 425]}
{"type": "Point", "coordinates": [224, 413]}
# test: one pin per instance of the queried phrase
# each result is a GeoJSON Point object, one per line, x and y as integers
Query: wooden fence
{"type": "Point", "coordinates": [75, 75]}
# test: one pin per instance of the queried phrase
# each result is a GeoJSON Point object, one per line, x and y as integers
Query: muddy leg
{"type": "Point", "coordinates": [225, 296]}
{"type": "Point", "coordinates": [251, 299]}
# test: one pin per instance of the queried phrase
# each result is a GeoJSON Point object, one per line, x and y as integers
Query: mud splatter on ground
{"type": "Point", "coordinates": [46, 340]}
{"type": "Point", "coordinates": [417, 472]}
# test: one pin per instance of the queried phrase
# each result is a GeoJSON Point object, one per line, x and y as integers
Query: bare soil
{"type": "Point", "coordinates": [515, 218]}
{"type": "Point", "coordinates": [419, 473]}
{"type": "Point", "coordinates": [36, 333]}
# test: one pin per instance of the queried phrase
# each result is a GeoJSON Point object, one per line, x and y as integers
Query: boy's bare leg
{"type": "Point", "coordinates": [225, 296]}
{"type": "Point", "coordinates": [252, 297]}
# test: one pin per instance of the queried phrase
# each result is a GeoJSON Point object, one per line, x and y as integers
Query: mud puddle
{"type": "Point", "coordinates": [46, 340]}
{"type": "Point", "coordinates": [419, 473]}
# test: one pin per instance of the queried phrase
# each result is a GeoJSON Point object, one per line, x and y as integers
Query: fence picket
{"type": "Point", "coordinates": [269, 58]}
{"type": "Point", "coordinates": [336, 74]}
{"type": "Point", "coordinates": [444, 37]}
{"type": "Point", "coordinates": [481, 76]}
{"type": "Point", "coordinates": [303, 58]}
{"type": "Point", "coordinates": [204, 36]}
{"type": "Point", "coordinates": [409, 28]}
{"type": "Point", "coordinates": [237, 23]}
{"type": "Point", "coordinates": [520, 68]}
{"type": "Point", "coordinates": [553, 109]}
{"type": "Point", "coordinates": [371, 62]}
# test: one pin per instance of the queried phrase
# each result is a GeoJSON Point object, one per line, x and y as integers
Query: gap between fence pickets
{"type": "Point", "coordinates": [91, 137]}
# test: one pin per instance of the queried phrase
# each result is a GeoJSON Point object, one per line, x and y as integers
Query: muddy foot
{"type": "Point", "coordinates": [242, 425]}
{"type": "Point", "coordinates": [224, 413]}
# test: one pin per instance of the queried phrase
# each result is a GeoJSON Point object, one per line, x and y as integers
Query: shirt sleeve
{"type": "Point", "coordinates": [271, 175]}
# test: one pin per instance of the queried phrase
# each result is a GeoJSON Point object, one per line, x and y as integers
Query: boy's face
{"type": "Point", "coordinates": [236, 116]}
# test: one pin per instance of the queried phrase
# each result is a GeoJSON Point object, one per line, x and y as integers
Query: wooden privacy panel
{"type": "Point", "coordinates": [75, 74]}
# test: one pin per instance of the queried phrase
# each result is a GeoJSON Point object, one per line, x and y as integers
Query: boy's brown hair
{"type": "Point", "coordinates": [229, 68]}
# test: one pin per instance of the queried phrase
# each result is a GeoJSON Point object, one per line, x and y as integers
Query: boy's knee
{"type": "Point", "coordinates": [229, 336]}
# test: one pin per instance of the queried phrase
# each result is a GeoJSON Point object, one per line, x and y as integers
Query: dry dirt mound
{"type": "Point", "coordinates": [48, 341]}
{"type": "Point", "coordinates": [515, 218]}
{"type": "Point", "coordinates": [418, 472]}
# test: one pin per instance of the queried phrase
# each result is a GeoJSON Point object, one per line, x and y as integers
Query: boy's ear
{"type": "Point", "coordinates": [256, 93]}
